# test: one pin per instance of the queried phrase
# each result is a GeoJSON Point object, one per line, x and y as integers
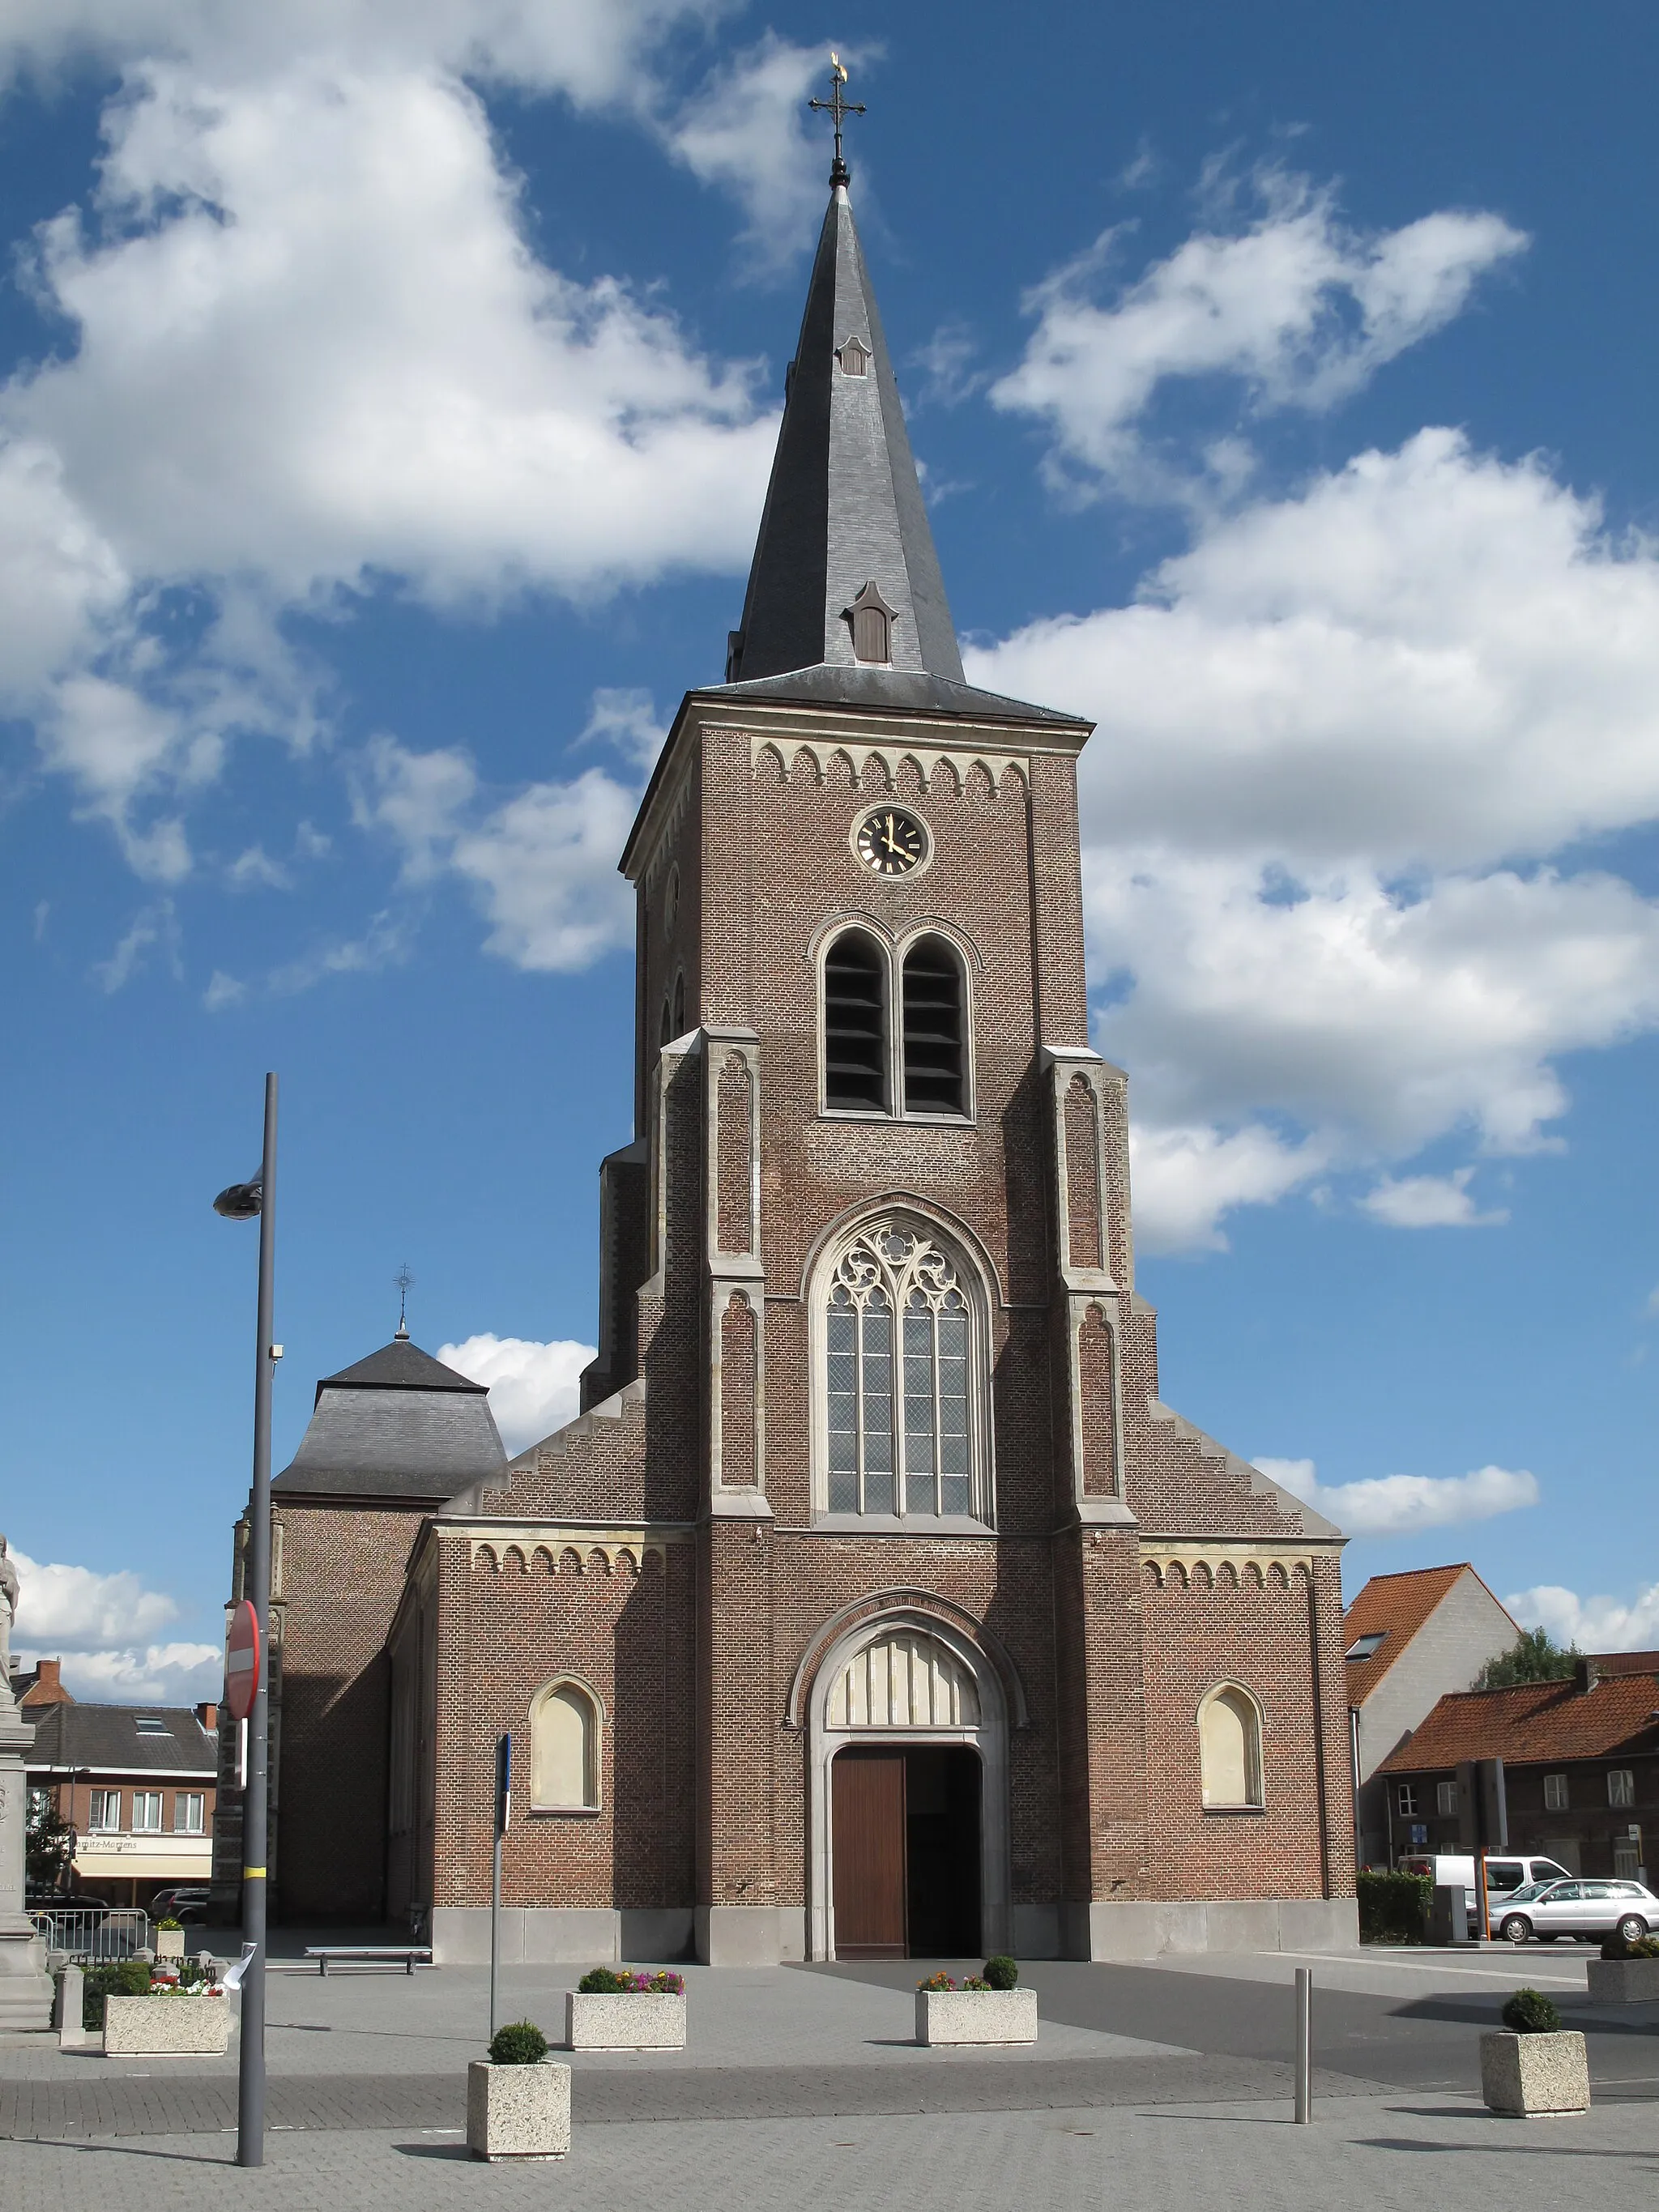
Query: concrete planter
{"type": "Point", "coordinates": [169, 1943]}
{"type": "Point", "coordinates": [631, 2019]}
{"type": "Point", "coordinates": [1524, 2075]}
{"type": "Point", "coordinates": [518, 2111]}
{"type": "Point", "coordinates": [976, 2016]}
{"type": "Point", "coordinates": [1623, 1981]}
{"type": "Point", "coordinates": [165, 2028]}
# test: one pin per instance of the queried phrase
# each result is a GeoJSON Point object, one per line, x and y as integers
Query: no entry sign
{"type": "Point", "coordinates": [242, 1661]}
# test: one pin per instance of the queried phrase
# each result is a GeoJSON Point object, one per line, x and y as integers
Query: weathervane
{"type": "Point", "coordinates": [405, 1283]}
{"type": "Point", "coordinates": [839, 108]}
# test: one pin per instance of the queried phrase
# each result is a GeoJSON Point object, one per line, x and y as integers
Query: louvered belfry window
{"type": "Point", "coordinates": [854, 1024]}
{"type": "Point", "coordinates": [897, 1378]}
{"type": "Point", "coordinates": [933, 1030]}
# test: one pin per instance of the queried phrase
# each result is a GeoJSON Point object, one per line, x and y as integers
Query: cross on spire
{"type": "Point", "coordinates": [405, 1283]}
{"type": "Point", "coordinates": [838, 107]}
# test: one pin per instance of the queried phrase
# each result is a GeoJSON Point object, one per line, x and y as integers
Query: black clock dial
{"type": "Point", "coordinates": [892, 841]}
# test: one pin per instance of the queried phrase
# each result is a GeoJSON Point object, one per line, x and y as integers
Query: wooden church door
{"type": "Point", "coordinates": [870, 1882]}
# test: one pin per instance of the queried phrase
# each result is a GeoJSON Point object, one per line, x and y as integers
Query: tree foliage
{"type": "Point", "coordinates": [1535, 1658]}
{"type": "Point", "coordinates": [48, 1845]}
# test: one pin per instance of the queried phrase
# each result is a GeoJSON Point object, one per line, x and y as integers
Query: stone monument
{"type": "Point", "coordinates": [25, 1991]}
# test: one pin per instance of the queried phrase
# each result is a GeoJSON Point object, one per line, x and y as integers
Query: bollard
{"type": "Point", "coordinates": [1303, 2046]}
{"type": "Point", "coordinates": [66, 2010]}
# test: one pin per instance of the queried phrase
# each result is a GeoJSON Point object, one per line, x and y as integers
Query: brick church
{"type": "Point", "coordinates": [874, 1605]}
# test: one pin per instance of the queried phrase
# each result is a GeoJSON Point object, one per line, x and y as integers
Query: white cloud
{"type": "Point", "coordinates": [747, 129]}
{"type": "Point", "coordinates": [1401, 1505]}
{"type": "Point", "coordinates": [158, 1674]}
{"type": "Point", "coordinates": [222, 991]}
{"type": "Point", "coordinates": [1594, 1623]}
{"type": "Point", "coordinates": [1301, 308]}
{"type": "Point", "coordinates": [152, 926]}
{"type": "Point", "coordinates": [533, 1387]}
{"type": "Point", "coordinates": [255, 870]}
{"type": "Point", "coordinates": [542, 865]}
{"type": "Point", "coordinates": [70, 1608]}
{"type": "Point", "coordinates": [627, 720]}
{"type": "Point", "coordinates": [1429, 1201]}
{"type": "Point", "coordinates": [1340, 741]}
{"type": "Point", "coordinates": [292, 382]}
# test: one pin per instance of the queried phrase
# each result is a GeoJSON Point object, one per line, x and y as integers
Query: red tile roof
{"type": "Point", "coordinates": [1533, 1722]}
{"type": "Point", "coordinates": [1399, 1604]}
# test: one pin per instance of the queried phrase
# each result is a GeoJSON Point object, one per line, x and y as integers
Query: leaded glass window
{"type": "Point", "coordinates": [898, 1379]}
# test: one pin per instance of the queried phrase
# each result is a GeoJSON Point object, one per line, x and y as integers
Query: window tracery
{"type": "Point", "coordinates": [899, 1380]}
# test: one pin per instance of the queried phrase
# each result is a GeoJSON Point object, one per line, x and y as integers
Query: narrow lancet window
{"type": "Point", "coordinates": [933, 1059]}
{"type": "Point", "coordinates": [854, 1024]}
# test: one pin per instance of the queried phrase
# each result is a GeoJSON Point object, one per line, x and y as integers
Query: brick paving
{"type": "Point", "coordinates": [1390, 2154]}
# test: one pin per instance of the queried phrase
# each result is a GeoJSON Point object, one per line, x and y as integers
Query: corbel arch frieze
{"type": "Point", "coordinates": [903, 1606]}
{"type": "Point", "coordinates": [877, 768]}
{"type": "Point", "coordinates": [1211, 1568]}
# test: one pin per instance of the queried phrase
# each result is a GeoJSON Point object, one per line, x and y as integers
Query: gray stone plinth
{"type": "Point", "coordinates": [1623, 1981]}
{"type": "Point", "coordinates": [631, 2019]}
{"type": "Point", "coordinates": [25, 1991]}
{"type": "Point", "coordinates": [518, 2111]}
{"type": "Point", "coordinates": [1524, 2075]}
{"type": "Point", "coordinates": [165, 2027]}
{"type": "Point", "coordinates": [976, 2016]}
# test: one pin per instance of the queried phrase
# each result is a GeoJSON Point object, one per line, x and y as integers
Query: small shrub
{"type": "Point", "coordinates": [940, 1981]}
{"type": "Point", "coordinates": [116, 1978]}
{"type": "Point", "coordinates": [169, 1924]}
{"type": "Point", "coordinates": [603, 1982]}
{"type": "Point", "coordinates": [1394, 1907]}
{"type": "Point", "coordinates": [520, 2044]}
{"type": "Point", "coordinates": [1000, 1973]}
{"type": "Point", "coordinates": [975, 1982]}
{"type": "Point", "coordinates": [1529, 2012]}
{"type": "Point", "coordinates": [1644, 1947]}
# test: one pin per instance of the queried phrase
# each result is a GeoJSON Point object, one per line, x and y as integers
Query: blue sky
{"type": "Point", "coordinates": [389, 391]}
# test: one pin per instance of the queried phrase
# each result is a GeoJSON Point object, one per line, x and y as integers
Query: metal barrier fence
{"type": "Point", "coordinates": [94, 1932]}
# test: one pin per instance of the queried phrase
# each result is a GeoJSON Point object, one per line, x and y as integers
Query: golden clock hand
{"type": "Point", "coordinates": [893, 845]}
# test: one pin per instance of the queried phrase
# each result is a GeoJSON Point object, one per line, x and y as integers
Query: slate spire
{"type": "Point", "coordinates": [844, 514]}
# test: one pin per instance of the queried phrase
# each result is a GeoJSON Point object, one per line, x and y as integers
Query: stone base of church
{"type": "Point", "coordinates": [563, 1935]}
{"type": "Point", "coordinates": [1272, 1923]}
{"type": "Point", "coordinates": [750, 1935]}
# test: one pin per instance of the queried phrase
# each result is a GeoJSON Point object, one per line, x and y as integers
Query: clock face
{"type": "Point", "coordinates": [892, 841]}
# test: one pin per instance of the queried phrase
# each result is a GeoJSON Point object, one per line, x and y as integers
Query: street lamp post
{"type": "Point", "coordinates": [242, 1201]}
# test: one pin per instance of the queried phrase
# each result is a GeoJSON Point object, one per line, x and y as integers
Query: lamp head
{"type": "Point", "coordinates": [241, 1201]}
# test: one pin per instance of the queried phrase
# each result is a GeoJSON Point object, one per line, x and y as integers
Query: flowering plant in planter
{"type": "Point", "coordinates": [611, 1982]}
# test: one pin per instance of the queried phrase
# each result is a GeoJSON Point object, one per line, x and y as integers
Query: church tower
{"type": "Point", "coordinates": [874, 1605]}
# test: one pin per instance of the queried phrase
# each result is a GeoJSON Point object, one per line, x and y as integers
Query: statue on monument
{"type": "Point", "coordinates": [9, 1595]}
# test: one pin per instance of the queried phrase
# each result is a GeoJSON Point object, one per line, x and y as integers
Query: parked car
{"type": "Point", "coordinates": [187, 1903]}
{"type": "Point", "coordinates": [1586, 1910]}
{"type": "Point", "coordinates": [1506, 1872]}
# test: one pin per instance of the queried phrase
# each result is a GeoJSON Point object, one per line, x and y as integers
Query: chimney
{"type": "Point", "coordinates": [208, 1717]}
{"type": "Point", "coordinates": [1585, 1675]}
{"type": "Point", "coordinates": [47, 1686]}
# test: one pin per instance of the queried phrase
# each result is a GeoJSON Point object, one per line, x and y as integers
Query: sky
{"type": "Point", "coordinates": [388, 389]}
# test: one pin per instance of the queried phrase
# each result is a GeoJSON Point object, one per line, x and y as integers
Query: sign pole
{"type": "Point", "coordinates": [503, 1815]}
{"type": "Point", "coordinates": [1303, 2046]}
{"type": "Point", "coordinates": [251, 2079]}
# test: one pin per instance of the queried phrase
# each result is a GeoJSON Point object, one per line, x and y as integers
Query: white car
{"type": "Point", "coordinates": [1582, 1909]}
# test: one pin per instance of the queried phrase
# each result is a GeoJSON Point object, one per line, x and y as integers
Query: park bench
{"type": "Point", "coordinates": [406, 1955]}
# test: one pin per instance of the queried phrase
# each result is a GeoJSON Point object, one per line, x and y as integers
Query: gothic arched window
{"type": "Point", "coordinates": [854, 1021]}
{"type": "Point", "coordinates": [901, 1378]}
{"type": "Point", "coordinates": [1229, 1750]}
{"type": "Point", "coordinates": [564, 1748]}
{"type": "Point", "coordinates": [933, 1059]}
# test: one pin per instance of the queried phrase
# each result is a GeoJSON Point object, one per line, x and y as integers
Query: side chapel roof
{"type": "Point", "coordinates": [397, 1425]}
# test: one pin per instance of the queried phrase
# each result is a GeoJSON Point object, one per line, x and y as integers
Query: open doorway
{"type": "Point", "coordinates": [907, 1852]}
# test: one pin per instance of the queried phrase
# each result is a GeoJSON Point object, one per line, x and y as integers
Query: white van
{"type": "Point", "coordinates": [1506, 1872]}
